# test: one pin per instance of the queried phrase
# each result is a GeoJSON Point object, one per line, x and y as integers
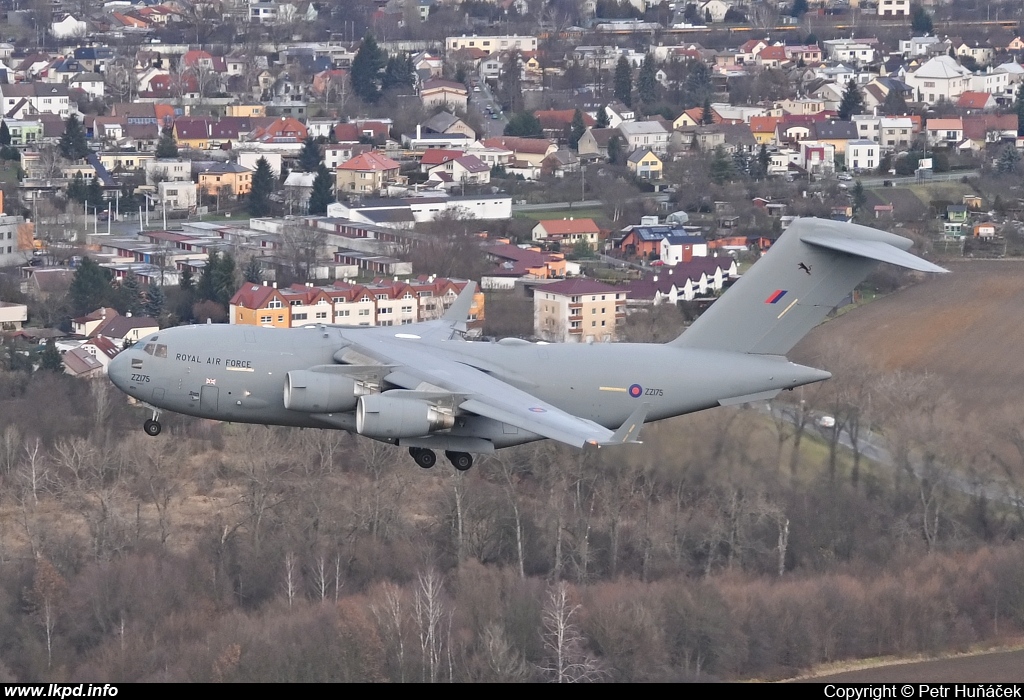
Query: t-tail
{"type": "Point", "coordinates": [809, 271]}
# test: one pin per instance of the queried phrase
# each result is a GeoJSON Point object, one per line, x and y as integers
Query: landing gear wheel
{"type": "Point", "coordinates": [423, 457]}
{"type": "Point", "coordinates": [152, 427]}
{"type": "Point", "coordinates": [460, 460]}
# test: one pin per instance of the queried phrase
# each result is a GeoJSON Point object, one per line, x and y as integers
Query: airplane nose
{"type": "Point", "coordinates": [119, 370]}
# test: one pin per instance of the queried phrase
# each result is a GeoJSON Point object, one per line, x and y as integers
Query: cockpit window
{"type": "Point", "coordinates": [161, 351]}
{"type": "Point", "coordinates": [157, 350]}
{"type": "Point", "coordinates": [150, 347]}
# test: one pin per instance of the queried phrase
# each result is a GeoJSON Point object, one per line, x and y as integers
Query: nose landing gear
{"type": "Point", "coordinates": [152, 425]}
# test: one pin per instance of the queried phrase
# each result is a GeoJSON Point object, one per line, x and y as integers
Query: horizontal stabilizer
{"type": "Point", "coordinates": [809, 271]}
{"type": "Point", "coordinates": [630, 430]}
{"type": "Point", "coordinates": [872, 250]}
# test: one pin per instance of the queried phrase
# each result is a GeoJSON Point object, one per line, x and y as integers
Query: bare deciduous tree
{"type": "Point", "coordinates": [567, 659]}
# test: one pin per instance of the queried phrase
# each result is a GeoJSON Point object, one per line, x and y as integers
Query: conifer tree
{"type": "Point", "coordinates": [647, 81]}
{"type": "Point", "coordinates": [309, 158]}
{"type": "Point", "coordinates": [624, 82]}
{"type": "Point", "coordinates": [166, 147]}
{"type": "Point", "coordinates": [370, 60]}
{"type": "Point", "coordinates": [73, 144]}
{"type": "Point", "coordinates": [852, 102]}
{"type": "Point", "coordinates": [322, 194]}
{"type": "Point", "coordinates": [262, 188]}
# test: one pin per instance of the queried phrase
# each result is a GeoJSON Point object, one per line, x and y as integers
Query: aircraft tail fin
{"type": "Point", "coordinates": [454, 320]}
{"type": "Point", "coordinates": [813, 266]}
{"type": "Point", "coordinates": [458, 312]}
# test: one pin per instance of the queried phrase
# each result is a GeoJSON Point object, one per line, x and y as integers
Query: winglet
{"type": "Point", "coordinates": [629, 431]}
{"type": "Point", "coordinates": [459, 311]}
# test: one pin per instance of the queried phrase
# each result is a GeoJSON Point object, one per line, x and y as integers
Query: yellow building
{"type": "Point", "coordinates": [644, 164]}
{"type": "Point", "coordinates": [246, 111]}
{"type": "Point", "coordinates": [226, 178]}
{"type": "Point", "coordinates": [578, 311]}
{"type": "Point", "coordinates": [260, 305]}
{"type": "Point", "coordinates": [382, 303]}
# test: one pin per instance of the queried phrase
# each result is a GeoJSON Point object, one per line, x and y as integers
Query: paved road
{"type": "Point", "coordinates": [876, 448]}
{"type": "Point", "coordinates": [482, 99]}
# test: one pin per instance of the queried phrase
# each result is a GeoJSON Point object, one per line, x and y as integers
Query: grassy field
{"type": "Point", "coordinates": [591, 213]}
{"type": "Point", "coordinates": [963, 328]}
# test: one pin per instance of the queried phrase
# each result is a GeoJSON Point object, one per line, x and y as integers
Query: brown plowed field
{"type": "Point", "coordinates": [967, 328]}
{"type": "Point", "coordinates": [998, 667]}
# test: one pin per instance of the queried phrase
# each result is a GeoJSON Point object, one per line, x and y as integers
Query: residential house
{"type": "Point", "coordinates": [567, 231]}
{"type": "Point", "coordinates": [834, 132]}
{"type": "Point", "coordinates": [939, 78]}
{"type": "Point", "coordinates": [862, 155]}
{"type": "Point", "coordinates": [433, 157]}
{"type": "Point", "coordinates": [12, 316]}
{"type": "Point", "coordinates": [976, 100]}
{"type": "Point", "coordinates": [447, 93]}
{"type": "Point", "coordinates": [594, 142]}
{"type": "Point", "coordinates": [367, 173]}
{"type": "Point", "coordinates": [617, 113]}
{"type": "Point", "coordinates": [677, 249]}
{"type": "Point", "coordinates": [465, 170]}
{"type": "Point", "coordinates": [447, 123]}
{"type": "Point", "coordinates": [512, 262]}
{"type": "Point", "coordinates": [982, 53]}
{"type": "Point", "coordinates": [557, 123]}
{"type": "Point", "coordinates": [983, 129]}
{"type": "Point", "coordinates": [650, 134]}
{"type": "Point", "coordinates": [895, 133]}
{"type": "Point", "coordinates": [946, 133]}
{"type": "Point", "coordinates": [176, 195]}
{"type": "Point", "coordinates": [713, 10]}
{"type": "Point", "coordinates": [644, 164]}
{"type": "Point", "coordinates": [579, 310]}
{"type": "Point", "coordinates": [763, 129]}
{"type": "Point", "coordinates": [893, 8]}
{"type": "Point", "coordinates": [525, 150]}
{"type": "Point", "coordinates": [986, 229]}
{"type": "Point", "coordinates": [226, 179]}
{"type": "Point", "coordinates": [24, 99]}
{"type": "Point", "coordinates": [167, 169]}
{"type": "Point", "coordinates": [956, 221]}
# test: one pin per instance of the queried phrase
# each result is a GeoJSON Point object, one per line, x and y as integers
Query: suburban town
{"type": "Point", "coordinates": [602, 171]}
{"type": "Point", "coordinates": [601, 152]}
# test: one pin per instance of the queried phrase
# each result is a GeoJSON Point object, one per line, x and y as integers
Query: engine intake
{"type": "Point", "coordinates": [383, 416]}
{"type": "Point", "coordinates": [319, 392]}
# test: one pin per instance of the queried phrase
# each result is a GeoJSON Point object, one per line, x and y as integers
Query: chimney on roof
{"type": "Point", "coordinates": [275, 285]}
{"type": "Point", "coordinates": [264, 283]}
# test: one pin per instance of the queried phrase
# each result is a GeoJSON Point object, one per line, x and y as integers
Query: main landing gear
{"type": "Point", "coordinates": [427, 459]}
{"type": "Point", "coordinates": [460, 460]}
{"type": "Point", "coordinates": [152, 425]}
{"type": "Point", "coordinates": [423, 457]}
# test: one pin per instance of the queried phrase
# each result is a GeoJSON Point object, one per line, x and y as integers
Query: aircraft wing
{"type": "Point", "coordinates": [475, 391]}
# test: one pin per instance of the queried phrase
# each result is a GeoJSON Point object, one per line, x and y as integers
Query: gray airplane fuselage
{"type": "Point", "coordinates": [237, 373]}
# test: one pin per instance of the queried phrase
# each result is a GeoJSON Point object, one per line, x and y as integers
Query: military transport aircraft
{"type": "Point", "coordinates": [424, 386]}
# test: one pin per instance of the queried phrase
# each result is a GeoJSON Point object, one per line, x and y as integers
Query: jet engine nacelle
{"type": "Point", "coordinates": [383, 416]}
{"type": "Point", "coordinates": [319, 392]}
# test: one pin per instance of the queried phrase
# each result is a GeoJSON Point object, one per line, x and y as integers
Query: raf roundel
{"type": "Point", "coordinates": [636, 391]}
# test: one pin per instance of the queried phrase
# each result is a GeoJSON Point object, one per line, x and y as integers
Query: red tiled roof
{"type": "Point", "coordinates": [974, 100]}
{"type": "Point", "coordinates": [369, 161]}
{"type": "Point", "coordinates": [518, 144]}
{"type": "Point", "coordinates": [561, 227]}
{"type": "Point", "coordinates": [436, 156]}
{"type": "Point", "coordinates": [560, 118]}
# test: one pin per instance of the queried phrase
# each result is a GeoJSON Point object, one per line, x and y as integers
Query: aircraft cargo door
{"type": "Point", "coordinates": [208, 396]}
